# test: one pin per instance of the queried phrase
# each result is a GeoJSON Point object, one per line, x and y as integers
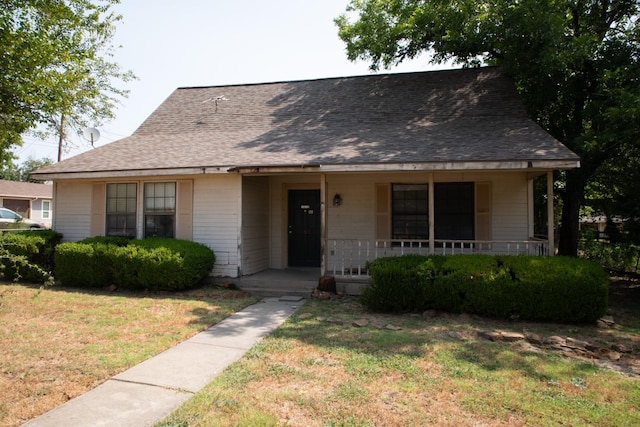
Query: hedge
{"type": "Point", "coordinates": [531, 288]}
{"type": "Point", "coordinates": [28, 255]}
{"type": "Point", "coordinates": [151, 264]}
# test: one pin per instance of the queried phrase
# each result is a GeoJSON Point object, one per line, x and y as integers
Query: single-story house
{"type": "Point", "coordinates": [30, 200]}
{"type": "Point", "coordinates": [325, 173]}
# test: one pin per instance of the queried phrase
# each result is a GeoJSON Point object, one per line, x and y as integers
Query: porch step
{"type": "Point", "coordinates": [300, 283]}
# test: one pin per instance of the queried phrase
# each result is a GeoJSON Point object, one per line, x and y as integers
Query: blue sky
{"type": "Point", "coordinates": [170, 44]}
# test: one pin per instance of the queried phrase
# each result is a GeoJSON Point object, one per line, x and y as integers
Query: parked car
{"type": "Point", "coordinates": [7, 216]}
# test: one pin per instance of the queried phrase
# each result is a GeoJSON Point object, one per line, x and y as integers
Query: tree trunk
{"type": "Point", "coordinates": [572, 199]}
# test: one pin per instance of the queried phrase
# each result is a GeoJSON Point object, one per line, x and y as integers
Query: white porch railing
{"type": "Point", "coordinates": [348, 257]}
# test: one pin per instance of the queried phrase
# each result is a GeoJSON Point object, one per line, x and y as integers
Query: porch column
{"type": "Point", "coordinates": [550, 216]}
{"type": "Point", "coordinates": [432, 216]}
{"type": "Point", "coordinates": [323, 224]}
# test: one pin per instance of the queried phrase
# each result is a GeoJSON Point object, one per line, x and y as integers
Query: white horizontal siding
{"type": "Point", "coordinates": [510, 220]}
{"type": "Point", "coordinates": [72, 216]}
{"type": "Point", "coordinates": [355, 217]}
{"type": "Point", "coordinates": [216, 209]}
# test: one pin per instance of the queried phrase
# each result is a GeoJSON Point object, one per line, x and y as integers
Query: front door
{"type": "Point", "coordinates": [304, 228]}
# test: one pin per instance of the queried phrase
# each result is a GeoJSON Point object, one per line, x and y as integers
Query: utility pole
{"type": "Point", "coordinates": [61, 137]}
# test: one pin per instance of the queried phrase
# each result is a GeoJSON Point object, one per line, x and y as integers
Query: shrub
{"type": "Point", "coordinates": [559, 288]}
{"type": "Point", "coordinates": [395, 283]}
{"type": "Point", "coordinates": [154, 264]}
{"type": "Point", "coordinates": [35, 251]}
{"type": "Point", "coordinates": [108, 240]}
{"type": "Point", "coordinates": [534, 288]}
{"type": "Point", "coordinates": [83, 264]}
{"type": "Point", "coordinates": [197, 260]}
{"type": "Point", "coordinates": [474, 284]}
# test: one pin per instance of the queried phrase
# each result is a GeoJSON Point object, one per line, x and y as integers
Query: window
{"type": "Point", "coordinates": [121, 209]}
{"type": "Point", "coordinates": [454, 211]}
{"type": "Point", "coordinates": [159, 209]}
{"type": "Point", "coordinates": [454, 214]}
{"type": "Point", "coordinates": [410, 211]}
{"type": "Point", "coordinates": [46, 209]}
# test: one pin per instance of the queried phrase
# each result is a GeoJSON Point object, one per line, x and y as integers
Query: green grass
{"type": "Point", "coordinates": [311, 372]}
{"type": "Point", "coordinates": [58, 343]}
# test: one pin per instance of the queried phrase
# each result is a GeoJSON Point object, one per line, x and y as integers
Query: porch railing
{"type": "Point", "coordinates": [348, 257]}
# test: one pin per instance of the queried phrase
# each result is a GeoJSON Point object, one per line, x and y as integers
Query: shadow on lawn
{"type": "Point", "coordinates": [332, 325]}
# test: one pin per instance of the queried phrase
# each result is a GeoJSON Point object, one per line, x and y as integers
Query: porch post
{"type": "Point", "coordinates": [323, 224]}
{"type": "Point", "coordinates": [432, 216]}
{"type": "Point", "coordinates": [550, 216]}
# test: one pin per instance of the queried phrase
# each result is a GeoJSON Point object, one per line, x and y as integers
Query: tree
{"type": "Point", "coordinates": [575, 63]}
{"type": "Point", "coordinates": [55, 67]}
{"type": "Point", "coordinates": [13, 172]}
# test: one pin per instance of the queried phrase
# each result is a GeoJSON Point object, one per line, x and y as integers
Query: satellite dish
{"type": "Point", "coordinates": [92, 135]}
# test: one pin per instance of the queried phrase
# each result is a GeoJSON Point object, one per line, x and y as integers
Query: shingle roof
{"type": "Point", "coordinates": [437, 116]}
{"type": "Point", "coordinates": [17, 189]}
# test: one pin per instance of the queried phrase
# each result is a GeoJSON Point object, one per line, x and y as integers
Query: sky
{"type": "Point", "coordinates": [170, 44]}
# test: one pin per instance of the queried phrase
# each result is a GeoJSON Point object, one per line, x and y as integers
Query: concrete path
{"type": "Point", "coordinates": [150, 391]}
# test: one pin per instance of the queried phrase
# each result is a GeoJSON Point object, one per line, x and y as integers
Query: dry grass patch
{"type": "Point", "coordinates": [318, 369]}
{"type": "Point", "coordinates": [58, 343]}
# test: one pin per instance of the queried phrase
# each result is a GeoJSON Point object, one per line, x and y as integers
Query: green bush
{"type": "Point", "coordinates": [533, 288]}
{"type": "Point", "coordinates": [108, 240]}
{"type": "Point", "coordinates": [83, 264]}
{"type": "Point", "coordinates": [153, 264]}
{"type": "Point", "coordinates": [559, 288]}
{"type": "Point", "coordinates": [35, 251]}
{"type": "Point", "coordinates": [394, 284]}
{"type": "Point", "coordinates": [618, 256]}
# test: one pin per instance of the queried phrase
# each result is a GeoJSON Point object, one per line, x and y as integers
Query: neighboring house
{"type": "Point", "coordinates": [598, 224]}
{"type": "Point", "coordinates": [30, 200]}
{"type": "Point", "coordinates": [323, 173]}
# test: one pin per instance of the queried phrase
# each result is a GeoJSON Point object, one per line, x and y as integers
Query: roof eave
{"type": "Point", "coordinates": [305, 168]}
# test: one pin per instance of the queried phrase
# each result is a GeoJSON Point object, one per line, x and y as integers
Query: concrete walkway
{"type": "Point", "coordinates": [150, 391]}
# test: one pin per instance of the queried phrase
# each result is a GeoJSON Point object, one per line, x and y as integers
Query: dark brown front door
{"type": "Point", "coordinates": [304, 228]}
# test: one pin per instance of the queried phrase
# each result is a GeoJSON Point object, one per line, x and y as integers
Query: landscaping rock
{"type": "Point", "coordinates": [574, 343]}
{"type": "Point", "coordinates": [614, 356]}
{"type": "Point", "coordinates": [621, 348]}
{"type": "Point", "coordinates": [304, 316]}
{"type": "Point", "coordinates": [554, 340]}
{"type": "Point", "coordinates": [490, 335]}
{"type": "Point", "coordinates": [392, 327]}
{"type": "Point", "coordinates": [335, 321]}
{"type": "Point", "coordinates": [533, 338]}
{"type": "Point", "coordinates": [512, 336]}
{"type": "Point", "coordinates": [320, 295]}
{"type": "Point", "coordinates": [360, 323]}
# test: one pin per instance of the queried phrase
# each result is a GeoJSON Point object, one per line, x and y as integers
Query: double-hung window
{"type": "Point", "coordinates": [159, 209]}
{"type": "Point", "coordinates": [454, 213]}
{"type": "Point", "coordinates": [46, 209]}
{"type": "Point", "coordinates": [410, 212]}
{"type": "Point", "coordinates": [121, 209]}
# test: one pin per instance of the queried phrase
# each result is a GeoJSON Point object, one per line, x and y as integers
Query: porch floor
{"type": "Point", "coordinates": [294, 281]}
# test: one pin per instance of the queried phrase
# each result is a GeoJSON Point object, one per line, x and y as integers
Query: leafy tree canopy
{"type": "Point", "coordinates": [55, 68]}
{"type": "Point", "coordinates": [575, 62]}
{"type": "Point", "coordinates": [13, 172]}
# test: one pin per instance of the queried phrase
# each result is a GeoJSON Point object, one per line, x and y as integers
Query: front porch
{"type": "Point", "coordinates": [294, 281]}
{"type": "Point", "coordinates": [348, 257]}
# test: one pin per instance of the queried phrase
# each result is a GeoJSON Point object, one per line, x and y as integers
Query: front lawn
{"type": "Point", "coordinates": [58, 343]}
{"type": "Point", "coordinates": [335, 364]}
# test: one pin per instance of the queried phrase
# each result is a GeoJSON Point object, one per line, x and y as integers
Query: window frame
{"type": "Point", "coordinates": [130, 199]}
{"type": "Point", "coordinates": [157, 207]}
{"type": "Point", "coordinates": [45, 213]}
{"type": "Point", "coordinates": [413, 207]}
{"type": "Point", "coordinates": [454, 211]}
